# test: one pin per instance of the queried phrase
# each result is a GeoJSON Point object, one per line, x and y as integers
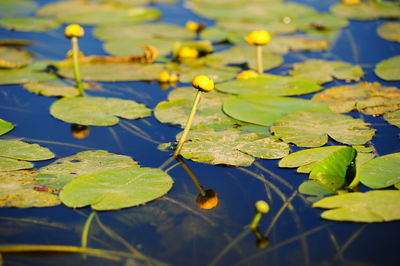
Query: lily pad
{"type": "Point", "coordinates": [97, 111]}
{"type": "Point", "coordinates": [264, 110]}
{"type": "Point", "coordinates": [209, 112]}
{"type": "Point", "coordinates": [313, 190]}
{"type": "Point", "coordinates": [321, 21]}
{"type": "Point", "coordinates": [14, 58]}
{"type": "Point", "coordinates": [29, 23]}
{"type": "Point", "coordinates": [312, 128]}
{"type": "Point", "coordinates": [13, 150]}
{"type": "Point", "coordinates": [368, 10]}
{"type": "Point", "coordinates": [393, 118]}
{"type": "Point", "coordinates": [389, 31]}
{"type": "Point", "coordinates": [116, 189]}
{"type": "Point", "coordinates": [56, 88]}
{"type": "Point", "coordinates": [332, 172]}
{"type": "Point", "coordinates": [17, 189]}
{"type": "Point", "coordinates": [16, 8]}
{"type": "Point", "coordinates": [32, 72]}
{"type": "Point", "coordinates": [325, 71]}
{"type": "Point", "coordinates": [285, 44]}
{"type": "Point", "coordinates": [270, 85]}
{"type": "Point", "coordinates": [381, 172]}
{"type": "Point", "coordinates": [389, 69]}
{"type": "Point", "coordinates": [59, 173]}
{"type": "Point", "coordinates": [239, 55]}
{"type": "Point", "coordinates": [217, 73]}
{"type": "Point", "coordinates": [369, 98]}
{"type": "Point", "coordinates": [5, 126]}
{"type": "Point", "coordinates": [372, 206]}
{"type": "Point", "coordinates": [230, 147]}
{"type": "Point", "coordinates": [121, 71]}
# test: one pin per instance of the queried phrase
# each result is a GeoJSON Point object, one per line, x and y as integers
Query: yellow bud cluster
{"type": "Point", "coordinates": [258, 37]}
{"type": "Point", "coordinates": [167, 77]}
{"type": "Point", "coordinates": [247, 74]}
{"type": "Point", "coordinates": [188, 53]}
{"type": "Point", "coordinates": [74, 30]}
{"type": "Point", "coordinates": [203, 83]}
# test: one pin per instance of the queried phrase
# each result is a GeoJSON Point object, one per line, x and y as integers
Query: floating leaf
{"type": "Point", "coordinates": [270, 85]}
{"type": "Point", "coordinates": [62, 171]}
{"type": "Point", "coordinates": [116, 189]}
{"type": "Point", "coordinates": [372, 206]}
{"type": "Point", "coordinates": [285, 44]}
{"type": "Point", "coordinates": [32, 72]}
{"type": "Point", "coordinates": [16, 8]}
{"type": "Point", "coordinates": [17, 190]}
{"type": "Point", "coordinates": [389, 69]}
{"type": "Point", "coordinates": [314, 190]}
{"type": "Point", "coordinates": [368, 10]}
{"type": "Point", "coordinates": [209, 112]}
{"type": "Point", "coordinates": [312, 128]}
{"type": "Point", "coordinates": [56, 88]}
{"type": "Point", "coordinates": [264, 110]}
{"type": "Point", "coordinates": [13, 150]}
{"type": "Point", "coordinates": [381, 172]}
{"type": "Point", "coordinates": [230, 147]}
{"type": "Point", "coordinates": [217, 73]}
{"type": "Point", "coordinates": [15, 42]}
{"type": "Point", "coordinates": [121, 71]}
{"type": "Point", "coordinates": [14, 58]}
{"type": "Point", "coordinates": [97, 111]}
{"type": "Point", "coordinates": [369, 98]}
{"type": "Point", "coordinates": [239, 55]}
{"type": "Point", "coordinates": [393, 118]}
{"type": "Point", "coordinates": [5, 126]}
{"type": "Point", "coordinates": [29, 23]}
{"type": "Point", "coordinates": [389, 31]}
{"type": "Point", "coordinates": [332, 171]}
{"type": "Point", "coordinates": [324, 71]}
{"type": "Point", "coordinates": [321, 21]}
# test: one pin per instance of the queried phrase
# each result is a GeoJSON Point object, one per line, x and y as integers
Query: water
{"type": "Point", "coordinates": [173, 229]}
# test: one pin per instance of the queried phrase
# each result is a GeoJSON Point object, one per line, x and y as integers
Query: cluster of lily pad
{"type": "Point", "coordinates": [249, 115]}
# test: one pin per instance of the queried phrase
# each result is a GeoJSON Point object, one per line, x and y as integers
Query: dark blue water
{"type": "Point", "coordinates": [174, 230]}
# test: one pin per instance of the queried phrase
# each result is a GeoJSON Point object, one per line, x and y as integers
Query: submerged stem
{"type": "Point", "coordinates": [86, 228]}
{"type": "Point", "coordinates": [75, 65]}
{"type": "Point", "coordinates": [188, 124]}
{"type": "Point", "coordinates": [260, 66]}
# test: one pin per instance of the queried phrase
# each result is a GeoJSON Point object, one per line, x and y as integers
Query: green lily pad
{"type": "Point", "coordinates": [369, 98]}
{"type": "Point", "coordinates": [116, 189]}
{"type": "Point", "coordinates": [14, 58]}
{"type": "Point", "coordinates": [244, 55]}
{"type": "Point", "coordinates": [32, 72]}
{"type": "Point", "coordinates": [13, 151]}
{"type": "Point", "coordinates": [314, 190]}
{"type": "Point", "coordinates": [230, 147]}
{"type": "Point", "coordinates": [321, 21]}
{"type": "Point", "coordinates": [393, 118]}
{"type": "Point", "coordinates": [209, 112]}
{"type": "Point", "coordinates": [55, 88]}
{"type": "Point", "coordinates": [17, 190]}
{"type": "Point", "coordinates": [325, 71]}
{"type": "Point", "coordinates": [270, 85]}
{"type": "Point", "coordinates": [97, 111]}
{"type": "Point", "coordinates": [29, 23]}
{"type": "Point", "coordinates": [217, 73]}
{"type": "Point", "coordinates": [5, 126]}
{"type": "Point", "coordinates": [312, 128]}
{"type": "Point", "coordinates": [372, 206]}
{"type": "Point", "coordinates": [285, 44]}
{"type": "Point", "coordinates": [368, 10]}
{"type": "Point", "coordinates": [122, 71]}
{"type": "Point", "coordinates": [381, 172]}
{"type": "Point", "coordinates": [16, 8]}
{"type": "Point", "coordinates": [389, 69]}
{"type": "Point", "coordinates": [389, 31]}
{"type": "Point", "coordinates": [59, 173]}
{"type": "Point", "coordinates": [332, 172]}
{"type": "Point", "coordinates": [264, 110]}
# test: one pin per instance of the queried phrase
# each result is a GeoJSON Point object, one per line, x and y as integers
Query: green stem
{"type": "Point", "coordinates": [255, 221]}
{"type": "Point", "coordinates": [86, 228]}
{"type": "Point", "coordinates": [260, 66]}
{"type": "Point", "coordinates": [192, 176]}
{"type": "Point", "coordinates": [75, 64]}
{"type": "Point", "coordinates": [188, 124]}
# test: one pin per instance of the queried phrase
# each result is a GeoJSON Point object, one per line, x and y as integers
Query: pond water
{"type": "Point", "coordinates": [173, 229]}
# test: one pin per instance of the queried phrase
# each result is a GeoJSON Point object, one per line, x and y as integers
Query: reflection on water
{"type": "Point", "coordinates": [174, 229]}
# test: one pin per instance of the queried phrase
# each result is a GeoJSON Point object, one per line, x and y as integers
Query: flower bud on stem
{"type": "Point", "coordinates": [261, 208]}
{"type": "Point", "coordinates": [75, 65]}
{"type": "Point", "coordinates": [259, 56]}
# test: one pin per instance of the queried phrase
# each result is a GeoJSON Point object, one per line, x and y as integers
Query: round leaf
{"type": "Point", "coordinates": [14, 58]}
{"type": "Point", "coordinates": [16, 8]}
{"type": "Point", "coordinates": [29, 24]}
{"type": "Point", "coordinates": [97, 111]}
{"type": "Point", "coordinates": [51, 89]}
{"type": "Point", "coordinates": [393, 118]}
{"type": "Point", "coordinates": [9, 164]}
{"type": "Point", "coordinates": [368, 10]}
{"type": "Point", "coordinates": [5, 126]}
{"type": "Point", "coordinates": [389, 69]}
{"type": "Point", "coordinates": [24, 151]}
{"type": "Point", "coordinates": [389, 31]}
{"type": "Point", "coordinates": [116, 189]}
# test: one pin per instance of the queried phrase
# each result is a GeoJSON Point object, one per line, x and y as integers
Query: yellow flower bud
{"type": "Point", "coordinates": [173, 78]}
{"type": "Point", "coordinates": [260, 37]}
{"type": "Point", "coordinates": [208, 201]}
{"type": "Point", "coordinates": [262, 207]}
{"type": "Point", "coordinates": [247, 74]}
{"type": "Point", "coordinates": [74, 30]}
{"type": "Point", "coordinates": [351, 2]}
{"type": "Point", "coordinates": [192, 26]}
{"type": "Point", "coordinates": [188, 53]}
{"type": "Point", "coordinates": [203, 83]}
{"type": "Point", "coordinates": [164, 77]}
